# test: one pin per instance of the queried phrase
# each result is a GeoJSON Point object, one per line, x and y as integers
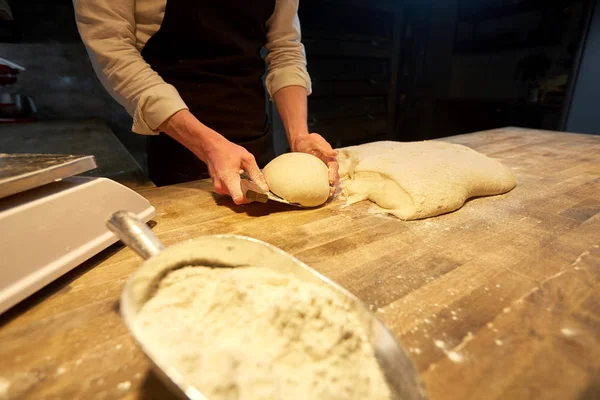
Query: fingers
{"type": "Point", "coordinates": [328, 155]}
{"type": "Point", "coordinates": [334, 175]}
{"type": "Point", "coordinates": [329, 152]}
{"type": "Point", "coordinates": [220, 187]}
{"type": "Point", "coordinates": [251, 168]}
{"type": "Point", "coordinates": [322, 146]}
{"type": "Point", "coordinates": [232, 183]}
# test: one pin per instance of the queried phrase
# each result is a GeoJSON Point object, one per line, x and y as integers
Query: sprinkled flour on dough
{"type": "Point", "coordinates": [253, 333]}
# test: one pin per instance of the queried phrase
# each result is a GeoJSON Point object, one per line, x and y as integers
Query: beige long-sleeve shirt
{"type": "Point", "coordinates": [115, 32]}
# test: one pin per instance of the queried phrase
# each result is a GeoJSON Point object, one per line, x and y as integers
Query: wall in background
{"type": "Point", "coordinates": [437, 69]}
{"type": "Point", "coordinates": [583, 115]}
{"type": "Point", "coordinates": [491, 74]}
{"type": "Point", "coordinates": [486, 76]}
{"type": "Point", "coordinates": [59, 75]}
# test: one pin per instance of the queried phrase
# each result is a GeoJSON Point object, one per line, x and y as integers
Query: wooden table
{"type": "Point", "coordinates": [499, 300]}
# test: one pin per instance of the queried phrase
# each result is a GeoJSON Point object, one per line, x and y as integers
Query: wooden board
{"type": "Point", "coordinates": [499, 300]}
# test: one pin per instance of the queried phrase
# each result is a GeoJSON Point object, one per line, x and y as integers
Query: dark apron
{"type": "Point", "coordinates": [210, 52]}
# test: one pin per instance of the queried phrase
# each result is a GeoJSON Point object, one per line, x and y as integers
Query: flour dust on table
{"type": "Point", "coordinates": [253, 333]}
{"type": "Point", "coordinates": [415, 180]}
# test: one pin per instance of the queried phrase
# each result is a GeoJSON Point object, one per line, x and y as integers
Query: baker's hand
{"type": "Point", "coordinates": [225, 161]}
{"type": "Point", "coordinates": [315, 144]}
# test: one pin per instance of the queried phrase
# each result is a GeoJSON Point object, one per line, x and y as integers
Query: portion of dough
{"type": "Point", "coordinates": [414, 180]}
{"type": "Point", "coordinates": [298, 178]}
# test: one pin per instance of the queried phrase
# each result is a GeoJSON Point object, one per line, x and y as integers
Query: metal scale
{"type": "Point", "coordinates": [52, 220]}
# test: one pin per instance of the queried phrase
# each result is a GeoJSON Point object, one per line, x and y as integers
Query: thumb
{"type": "Point", "coordinates": [329, 152]}
{"type": "Point", "coordinates": [255, 174]}
{"type": "Point", "coordinates": [322, 146]}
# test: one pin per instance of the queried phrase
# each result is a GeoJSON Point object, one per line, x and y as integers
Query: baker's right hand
{"type": "Point", "coordinates": [225, 160]}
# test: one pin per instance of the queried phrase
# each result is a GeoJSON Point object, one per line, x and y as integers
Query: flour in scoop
{"type": "Point", "coordinates": [253, 333]}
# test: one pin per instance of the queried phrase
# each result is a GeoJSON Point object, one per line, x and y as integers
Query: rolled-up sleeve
{"type": "Point", "coordinates": [286, 58]}
{"type": "Point", "coordinates": [107, 28]}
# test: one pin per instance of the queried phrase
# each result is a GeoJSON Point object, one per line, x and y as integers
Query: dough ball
{"type": "Point", "coordinates": [298, 178]}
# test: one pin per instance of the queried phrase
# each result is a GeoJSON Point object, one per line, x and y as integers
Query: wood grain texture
{"type": "Point", "coordinates": [499, 300]}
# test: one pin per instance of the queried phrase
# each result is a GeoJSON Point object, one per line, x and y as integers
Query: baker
{"type": "Point", "coordinates": [190, 74]}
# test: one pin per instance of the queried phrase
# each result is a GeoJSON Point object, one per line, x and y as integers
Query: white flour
{"type": "Point", "coordinates": [253, 333]}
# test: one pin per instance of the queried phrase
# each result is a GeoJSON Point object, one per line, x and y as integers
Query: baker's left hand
{"type": "Point", "coordinates": [315, 144]}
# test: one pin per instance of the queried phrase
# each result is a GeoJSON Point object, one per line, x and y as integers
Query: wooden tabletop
{"type": "Point", "coordinates": [499, 300]}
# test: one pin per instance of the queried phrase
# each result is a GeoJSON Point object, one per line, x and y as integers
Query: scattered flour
{"type": "Point", "coordinates": [60, 370]}
{"type": "Point", "coordinates": [4, 386]}
{"type": "Point", "coordinates": [454, 356]}
{"type": "Point", "coordinates": [124, 386]}
{"type": "Point", "coordinates": [253, 333]}
{"type": "Point", "coordinates": [567, 332]}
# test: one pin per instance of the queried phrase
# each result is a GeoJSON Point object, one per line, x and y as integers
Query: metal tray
{"type": "Point", "coordinates": [22, 172]}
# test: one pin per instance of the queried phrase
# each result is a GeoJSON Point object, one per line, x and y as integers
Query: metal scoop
{"type": "Point", "coordinates": [230, 251]}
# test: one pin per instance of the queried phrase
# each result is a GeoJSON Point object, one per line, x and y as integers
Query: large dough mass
{"type": "Point", "coordinates": [414, 180]}
{"type": "Point", "coordinates": [298, 178]}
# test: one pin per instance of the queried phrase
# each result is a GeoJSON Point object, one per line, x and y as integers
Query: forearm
{"type": "Point", "coordinates": [292, 106]}
{"type": "Point", "coordinates": [193, 134]}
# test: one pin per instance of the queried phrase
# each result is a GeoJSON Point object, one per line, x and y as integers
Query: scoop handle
{"type": "Point", "coordinates": [135, 234]}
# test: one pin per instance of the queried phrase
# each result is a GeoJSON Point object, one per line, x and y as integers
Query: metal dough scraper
{"type": "Point", "coordinates": [254, 193]}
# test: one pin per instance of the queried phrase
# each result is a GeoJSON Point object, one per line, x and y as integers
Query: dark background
{"type": "Point", "coordinates": [381, 69]}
